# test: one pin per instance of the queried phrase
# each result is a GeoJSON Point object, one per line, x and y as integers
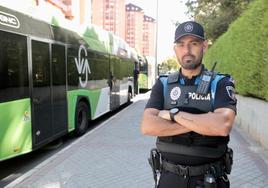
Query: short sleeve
{"type": "Point", "coordinates": [225, 94]}
{"type": "Point", "coordinates": [156, 99]}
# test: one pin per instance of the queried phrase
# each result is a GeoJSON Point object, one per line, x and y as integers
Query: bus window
{"type": "Point", "coordinates": [13, 67]}
{"type": "Point", "coordinates": [100, 68]}
{"type": "Point", "coordinates": [58, 65]}
{"type": "Point", "coordinates": [72, 72]}
{"type": "Point", "coordinates": [41, 67]}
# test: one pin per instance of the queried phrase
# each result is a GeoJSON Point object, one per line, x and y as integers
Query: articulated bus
{"type": "Point", "coordinates": [54, 80]}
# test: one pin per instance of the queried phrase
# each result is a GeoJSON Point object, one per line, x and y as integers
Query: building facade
{"type": "Point", "coordinates": [134, 26]}
{"type": "Point", "coordinates": [149, 36]}
{"type": "Point", "coordinates": [72, 11]}
{"type": "Point", "coordinates": [109, 15]}
{"type": "Point", "coordinates": [77, 11]}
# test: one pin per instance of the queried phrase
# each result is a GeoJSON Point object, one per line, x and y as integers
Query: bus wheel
{"type": "Point", "coordinates": [129, 96]}
{"type": "Point", "coordinates": [81, 118]}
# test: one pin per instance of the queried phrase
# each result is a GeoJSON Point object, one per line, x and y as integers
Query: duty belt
{"type": "Point", "coordinates": [193, 170]}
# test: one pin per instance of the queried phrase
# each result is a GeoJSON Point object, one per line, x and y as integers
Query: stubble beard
{"type": "Point", "coordinates": [190, 64]}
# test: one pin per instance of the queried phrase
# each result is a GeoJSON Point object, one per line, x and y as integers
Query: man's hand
{"type": "Point", "coordinates": [164, 114]}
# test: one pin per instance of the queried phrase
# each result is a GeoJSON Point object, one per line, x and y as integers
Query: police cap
{"type": "Point", "coordinates": [189, 28]}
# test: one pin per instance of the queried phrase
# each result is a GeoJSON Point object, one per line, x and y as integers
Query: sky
{"type": "Point", "coordinates": [169, 12]}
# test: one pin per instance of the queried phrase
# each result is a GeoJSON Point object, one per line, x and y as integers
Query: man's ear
{"type": "Point", "coordinates": [174, 47]}
{"type": "Point", "coordinates": [205, 45]}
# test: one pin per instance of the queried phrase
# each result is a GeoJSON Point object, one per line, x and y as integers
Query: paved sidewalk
{"type": "Point", "coordinates": [115, 155]}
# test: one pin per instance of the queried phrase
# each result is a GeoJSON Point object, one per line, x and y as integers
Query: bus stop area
{"type": "Point", "coordinates": [115, 155]}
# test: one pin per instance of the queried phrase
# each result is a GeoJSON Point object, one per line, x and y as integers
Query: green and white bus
{"type": "Point", "coordinates": [147, 73]}
{"type": "Point", "coordinates": [53, 80]}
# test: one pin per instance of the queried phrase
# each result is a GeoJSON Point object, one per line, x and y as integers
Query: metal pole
{"type": "Point", "coordinates": [156, 41]}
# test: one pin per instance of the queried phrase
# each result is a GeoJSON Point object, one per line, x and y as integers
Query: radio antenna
{"type": "Point", "coordinates": [214, 66]}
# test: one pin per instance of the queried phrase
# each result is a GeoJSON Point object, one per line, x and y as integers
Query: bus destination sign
{"type": "Point", "coordinates": [9, 20]}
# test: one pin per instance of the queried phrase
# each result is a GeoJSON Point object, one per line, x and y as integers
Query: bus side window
{"type": "Point", "coordinates": [14, 80]}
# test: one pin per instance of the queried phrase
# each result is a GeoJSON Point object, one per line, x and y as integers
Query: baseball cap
{"type": "Point", "coordinates": [189, 28]}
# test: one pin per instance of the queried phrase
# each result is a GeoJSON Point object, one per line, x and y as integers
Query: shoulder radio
{"type": "Point", "coordinates": [205, 80]}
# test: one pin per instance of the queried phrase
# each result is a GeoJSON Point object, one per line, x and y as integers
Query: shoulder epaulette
{"type": "Point", "coordinates": [214, 84]}
{"type": "Point", "coordinates": [173, 78]}
{"type": "Point", "coordinates": [164, 83]}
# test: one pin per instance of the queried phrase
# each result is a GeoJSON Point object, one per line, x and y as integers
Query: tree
{"type": "Point", "coordinates": [169, 65]}
{"type": "Point", "coordinates": [216, 15]}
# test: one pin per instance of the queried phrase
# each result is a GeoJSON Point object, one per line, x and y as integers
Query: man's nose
{"type": "Point", "coordinates": [188, 48]}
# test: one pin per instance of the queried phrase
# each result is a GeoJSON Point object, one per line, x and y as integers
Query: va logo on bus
{"type": "Point", "coordinates": [9, 20]}
{"type": "Point", "coordinates": [82, 66]}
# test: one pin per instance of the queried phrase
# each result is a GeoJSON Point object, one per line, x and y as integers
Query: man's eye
{"type": "Point", "coordinates": [195, 43]}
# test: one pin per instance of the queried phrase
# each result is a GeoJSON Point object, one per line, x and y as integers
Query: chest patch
{"type": "Point", "coordinates": [175, 93]}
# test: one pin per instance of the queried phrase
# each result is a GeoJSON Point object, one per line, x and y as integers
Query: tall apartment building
{"type": "Point", "coordinates": [149, 36]}
{"type": "Point", "coordinates": [126, 21]}
{"type": "Point", "coordinates": [134, 26]}
{"type": "Point", "coordinates": [110, 15]}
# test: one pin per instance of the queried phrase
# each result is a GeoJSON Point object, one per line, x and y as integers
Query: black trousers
{"type": "Point", "coordinates": [171, 180]}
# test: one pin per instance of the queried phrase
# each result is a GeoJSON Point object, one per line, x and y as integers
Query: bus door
{"type": "Point", "coordinates": [114, 82]}
{"type": "Point", "coordinates": [46, 97]}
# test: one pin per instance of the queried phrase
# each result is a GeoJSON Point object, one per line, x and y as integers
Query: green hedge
{"type": "Point", "coordinates": [243, 51]}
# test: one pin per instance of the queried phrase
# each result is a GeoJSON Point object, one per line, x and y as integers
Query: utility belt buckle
{"type": "Point", "coordinates": [182, 170]}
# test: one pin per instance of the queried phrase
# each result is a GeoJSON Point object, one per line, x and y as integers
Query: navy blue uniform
{"type": "Point", "coordinates": [224, 98]}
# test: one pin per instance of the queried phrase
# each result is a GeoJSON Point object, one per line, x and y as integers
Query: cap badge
{"type": "Point", "coordinates": [188, 27]}
{"type": "Point", "coordinates": [175, 93]}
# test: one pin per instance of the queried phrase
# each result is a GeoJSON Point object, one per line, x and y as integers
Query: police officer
{"type": "Point", "coordinates": [191, 112]}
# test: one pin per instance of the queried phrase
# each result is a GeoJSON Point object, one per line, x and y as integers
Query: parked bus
{"type": "Point", "coordinates": [53, 80]}
{"type": "Point", "coordinates": [147, 73]}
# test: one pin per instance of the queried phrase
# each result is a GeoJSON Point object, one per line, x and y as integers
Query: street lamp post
{"type": "Point", "coordinates": [156, 40]}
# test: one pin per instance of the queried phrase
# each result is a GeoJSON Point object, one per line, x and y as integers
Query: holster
{"type": "Point", "coordinates": [156, 164]}
{"type": "Point", "coordinates": [228, 160]}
